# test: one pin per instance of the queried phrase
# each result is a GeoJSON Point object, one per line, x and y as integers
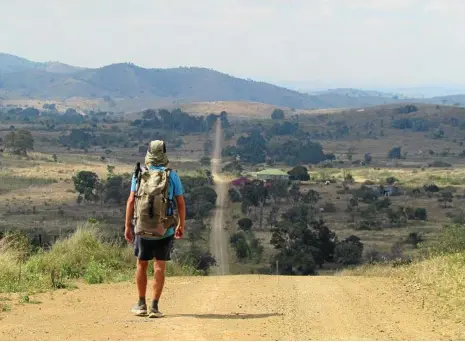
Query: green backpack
{"type": "Point", "coordinates": [151, 204]}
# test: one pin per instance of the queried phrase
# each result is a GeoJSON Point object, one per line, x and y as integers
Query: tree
{"type": "Point", "coordinates": [299, 173]}
{"type": "Point", "coordinates": [446, 198]}
{"type": "Point", "coordinates": [224, 120]}
{"type": "Point", "coordinates": [200, 200]}
{"type": "Point", "coordinates": [421, 214]}
{"type": "Point", "coordinates": [311, 197]}
{"type": "Point", "coordinates": [414, 239]}
{"type": "Point", "coordinates": [278, 189]}
{"type": "Point", "coordinates": [115, 188]}
{"type": "Point", "coordinates": [233, 167]}
{"type": "Point", "coordinates": [19, 141]}
{"type": "Point", "coordinates": [239, 242]}
{"type": "Point", "coordinates": [349, 251]}
{"type": "Point", "coordinates": [278, 114]}
{"type": "Point", "coordinates": [302, 242]}
{"type": "Point", "coordinates": [298, 151]}
{"type": "Point", "coordinates": [205, 161]}
{"type": "Point", "coordinates": [368, 158]}
{"type": "Point", "coordinates": [201, 260]}
{"type": "Point", "coordinates": [87, 184]}
{"type": "Point", "coordinates": [245, 224]}
{"type": "Point", "coordinates": [252, 148]}
{"type": "Point", "coordinates": [395, 153]}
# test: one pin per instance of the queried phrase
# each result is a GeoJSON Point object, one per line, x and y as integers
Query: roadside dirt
{"type": "Point", "coordinates": [246, 307]}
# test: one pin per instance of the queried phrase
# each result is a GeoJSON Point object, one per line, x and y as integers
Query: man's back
{"type": "Point", "coordinates": [175, 189]}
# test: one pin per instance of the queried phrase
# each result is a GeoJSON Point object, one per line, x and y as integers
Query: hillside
{"type": "Point", "coordinates": [125, 86]}
{"type": "Point", "coordinates": [10, 63]}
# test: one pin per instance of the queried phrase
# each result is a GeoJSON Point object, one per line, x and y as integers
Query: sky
{"type": "Point", "coordinates": [303, 43]}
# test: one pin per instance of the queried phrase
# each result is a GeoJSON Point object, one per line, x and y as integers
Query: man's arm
{"type": "Point", "coordinates": [181, 211]}
{"type": "Point", "coordinates": [129, 214]}
{"type": "Point", "coordinates": [178, 193]}
{"type": "Point", "coordinates": [130, 211]}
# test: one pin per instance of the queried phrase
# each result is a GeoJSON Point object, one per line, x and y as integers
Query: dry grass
{"type": "Point", "coordinates": [438, 278]}
{"type": "Point", "coordinates": [440, 281]}
{"type": "Point", "coordinates": [246, 109]}
{"type": "Point", "coordinates": [73, 102]}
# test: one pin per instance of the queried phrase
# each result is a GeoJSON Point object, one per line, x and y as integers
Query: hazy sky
{"type": "Point", "coordinates": [317, 42]}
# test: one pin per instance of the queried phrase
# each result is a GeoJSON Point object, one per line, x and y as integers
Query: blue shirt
{"type": "Point", "coordinates": [175, 188]}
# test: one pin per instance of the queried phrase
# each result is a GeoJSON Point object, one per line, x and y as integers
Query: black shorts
{"type": "Point", "coordinates": [153, 249]}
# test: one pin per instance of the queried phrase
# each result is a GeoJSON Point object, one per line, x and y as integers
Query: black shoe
{"type": "Point", "coordinates": [139, 309]}
{"type": "Point", "coordinates": [154, 312]}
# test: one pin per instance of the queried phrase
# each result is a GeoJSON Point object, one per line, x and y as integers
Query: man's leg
{"type": "Point", "coordinates": [162, 254]}
{"type": "Point", "coordinates": [143, 256]}
{"type": "Point", "coordinates": [160, 266]}
{"type": "Point", "coordinates": [141, 278]}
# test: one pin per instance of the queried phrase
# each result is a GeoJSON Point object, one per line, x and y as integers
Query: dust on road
{"type": "Point", "coordinates": [246, 307]}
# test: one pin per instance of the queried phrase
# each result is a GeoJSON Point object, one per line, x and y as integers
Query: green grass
{"type": "Point", "coordinates": [84, 256]}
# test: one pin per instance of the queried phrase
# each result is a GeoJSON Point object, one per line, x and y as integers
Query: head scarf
{"type": "Point", "coordinates": [156, 154]}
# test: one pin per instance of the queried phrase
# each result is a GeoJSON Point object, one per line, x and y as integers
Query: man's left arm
{"type": "Point", "coordinates": [178, 193]}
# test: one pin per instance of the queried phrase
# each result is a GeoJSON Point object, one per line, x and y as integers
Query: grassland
{"type": "Point", "coordinates": [437, 279]}
{"type": "Point", "coordinates": [37, 194]}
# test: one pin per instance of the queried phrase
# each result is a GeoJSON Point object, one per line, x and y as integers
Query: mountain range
{"type": "Point", "coordinates": [21, 78]}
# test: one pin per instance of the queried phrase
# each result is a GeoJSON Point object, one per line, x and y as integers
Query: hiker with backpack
{"type": "Point", "coordinates": [155, 191]}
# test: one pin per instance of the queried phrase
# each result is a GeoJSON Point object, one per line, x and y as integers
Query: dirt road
{"type": "Point", "coordinates": [218, 236]}
{"type": "Point", "coordinates": [231, 308]}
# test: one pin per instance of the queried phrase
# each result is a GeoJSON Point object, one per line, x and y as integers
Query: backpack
{"type": "Point", "coordinates": [151, 206]}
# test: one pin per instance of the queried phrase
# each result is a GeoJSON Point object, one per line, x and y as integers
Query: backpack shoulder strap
{"type": "Point", "coordinates": [168, 180]}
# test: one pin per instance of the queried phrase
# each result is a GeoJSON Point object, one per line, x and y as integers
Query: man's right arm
{"type": "Point", "coordinates": [130, 211]}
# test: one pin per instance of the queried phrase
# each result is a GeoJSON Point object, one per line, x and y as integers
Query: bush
{"type": "Point", "coordinates": [234, 195]}
{"type": "Point", "coordinates": [245, 224]}
{"type": "Point", "coordinates": [329, 207]}
{"type": "Point", "coordinates": [452, 240]}
{"type": "Point", "coordinates": [84, 255]}
{"type": "Point", "coordinates": [241, 246]}
{"type": "Point", "coordinates": [299, 173]}
{"type": "Point", "coordinates": [431, 188]}
{"type": "Point", "coordinates": [439, 163]}
{"type": "Point", "coordinates": [348, 254]}
{"type": "Point", "coordinates": [395, 153]}
{"type": "Point", "coordinates": [414, 239]}
{"type": "Point", "coordinates": [421, 214]}
{"type": "Point", "coordinates": [349, 251]}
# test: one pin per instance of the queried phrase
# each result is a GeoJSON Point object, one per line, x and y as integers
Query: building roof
{"type": "Point", "coordinates": [273, 172]}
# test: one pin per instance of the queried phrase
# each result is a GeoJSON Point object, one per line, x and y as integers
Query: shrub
{"type": "Point", "coordinates": [452, 240]}
{"type": "Point", "coordinates": [234, 195]}
{"type": "Point", "coordinates": [329, 207]}
{"type": "Point", "coordinates": [245, 224]}
{"type": "Point", "coordinates": [431, 188]}
{"type": "Point", "coordinates": [84, 255]}
{"type": "Point", "coordinates": [421, 214]}
{"type": "Point", "coordinates": [439, 163]}
{"type": "Point", "coordinates": [349, 251]}
{"type": "Point", "coordinates": [414, 239]}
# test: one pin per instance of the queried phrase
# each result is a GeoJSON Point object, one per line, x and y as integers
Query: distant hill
{"type": "Point", "coordinates": [133, 86]}
{"type": "Point", "coordinates": [10, 63]}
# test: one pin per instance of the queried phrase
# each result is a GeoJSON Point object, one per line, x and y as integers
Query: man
{"type": "Point", "coordinates": [154, 248]}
